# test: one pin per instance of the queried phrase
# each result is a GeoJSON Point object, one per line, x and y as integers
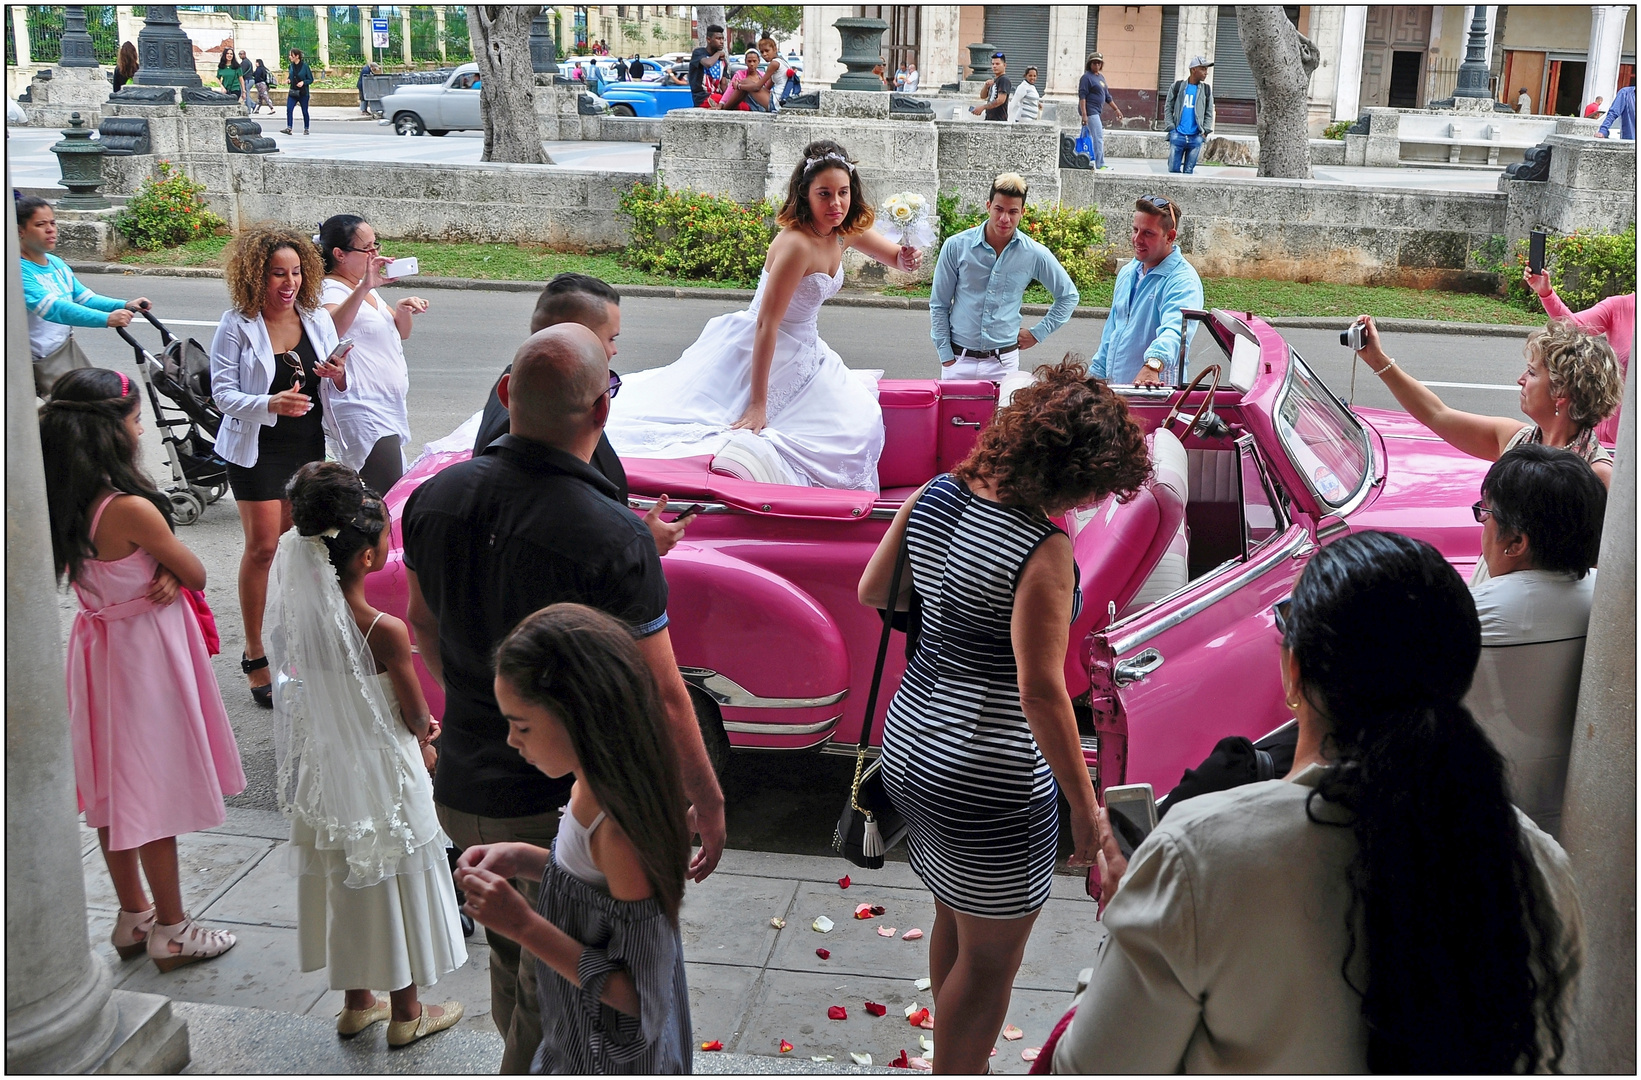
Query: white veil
{"type": "Point", "coordinates": [336, 743]}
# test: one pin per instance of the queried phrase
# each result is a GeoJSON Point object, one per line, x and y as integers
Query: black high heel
{"type": "Point", "coordinates": [262, 695]}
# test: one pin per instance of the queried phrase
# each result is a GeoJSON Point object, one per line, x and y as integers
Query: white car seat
{"type": "Point", "coordinates": [1170, 469]}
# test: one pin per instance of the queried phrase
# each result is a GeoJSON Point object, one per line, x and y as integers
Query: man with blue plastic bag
{"type": "Point", "coordinates": [1093, 95]}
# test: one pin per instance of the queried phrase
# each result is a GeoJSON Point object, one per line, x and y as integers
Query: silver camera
{"type": "Point", "coordinates": [1354, 338]}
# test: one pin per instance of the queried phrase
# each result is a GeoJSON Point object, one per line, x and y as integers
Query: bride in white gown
{"type": "Point", "coordinates": [759, 390]}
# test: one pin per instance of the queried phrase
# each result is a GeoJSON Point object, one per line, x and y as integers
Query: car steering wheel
{"type": "Point", "coordinates": [1207, 402]}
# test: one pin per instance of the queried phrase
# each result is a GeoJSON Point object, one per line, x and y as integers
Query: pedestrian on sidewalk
{"type": "Point", "coordinates": [228, 73]}
{"type": "Point", "coordinates": [981, 738]}
{"type": "Point", "coordinates": [1141, 341]}
{"type": "Point", "coordinates": [274, 366]}
{"type": "Point", "coordinates": [525, 524]}
{"type": "Point", "coordinates": [1622, 111]}
{"type": "Point", "coordinates": [372, 419]}
{"type": "Point", "coordinates": [153, 751]}
{"type": "Point", "coordinates": [126, 69]}
{"type": "Point", "coordinates": [1382, 908]}
{"type": "Point", "coordinates": [1614, 317]}
{"type": "Point", "coordinates": [296, 93]}
{"type": "Point", "coordinates": [375, 903]}
{"type": "Point", "coordinates": [1093, 95]}
{"type": "Point", "coordinates": [1027, 104]}
{"type": "Point", "coordinates": [359, 84]}
{"type": "Point", "coordinates": [1592, 111]}
{"type": "Point", "coordinates": [261, 77]}
{"type": "Point", "coordinates": [55, 299]}
{"type": "Point", "coordinates": [247, 74]}
{"type": "Point", "coordinates": [1190, 113]}
{"type": "Point", "coordinates": [580, 701]}
{"type": "Point", "coordinates": [980, 280]}
{"type": "Point", "coordinates": [994, 94]}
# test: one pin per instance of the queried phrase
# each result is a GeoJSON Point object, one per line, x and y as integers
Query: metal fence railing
{"type": "Point", "coordinates": [1442, 79]}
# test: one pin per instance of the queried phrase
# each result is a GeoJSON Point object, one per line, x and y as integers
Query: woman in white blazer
{"type": "Point", "coordinates": [274, 366]}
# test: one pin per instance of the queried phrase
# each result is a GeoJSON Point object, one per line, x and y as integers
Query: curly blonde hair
{"type": "Point", "coordinates": [1066, 440]}
{"type": "Point", "coordinates": [247, 267]}
{"type": "Point", "coordinates": [1582, 368]}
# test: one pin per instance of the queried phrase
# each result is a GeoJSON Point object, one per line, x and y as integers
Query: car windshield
{"type": "Point", "coordinates": [1323, 440]}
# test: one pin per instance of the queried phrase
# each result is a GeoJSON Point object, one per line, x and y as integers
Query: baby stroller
{"type": "Point", "coordinates": [181, 374]}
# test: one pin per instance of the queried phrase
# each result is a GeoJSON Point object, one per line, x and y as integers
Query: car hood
{"type": "Point", "coordinates": [1428, 488]}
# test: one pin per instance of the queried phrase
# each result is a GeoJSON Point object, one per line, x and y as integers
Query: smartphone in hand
{"type": "Point", "coordinates": [689, 512]}
{"type": "Point", "coordinates": [1133, 812]}
{"type": "Point", "coordinates": [1535, 251]}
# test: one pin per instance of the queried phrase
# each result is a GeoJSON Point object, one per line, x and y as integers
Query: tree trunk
{"type": "Point", "coordinates": [711, 16]}
{"type": "Point", "coordinates": [507, 96]}
{"type": "Point", "coordinates": [1282, 60]}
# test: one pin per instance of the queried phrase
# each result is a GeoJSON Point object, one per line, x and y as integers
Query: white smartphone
{"type": "Point", "coordinates": [1133, 812]}
{"type": "Point", "coordinates": [399, 268]}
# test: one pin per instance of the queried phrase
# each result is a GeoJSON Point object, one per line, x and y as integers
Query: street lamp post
{"type": "Point", "coordinates": [77, 49]}
{"type": "Point", "coordinates": [164, 50]}
{"type": "Point", "coordinates": [1475, 72]}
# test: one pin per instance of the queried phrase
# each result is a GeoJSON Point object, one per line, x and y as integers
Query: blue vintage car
{"type": "Point", "coordinates": [646, 98]}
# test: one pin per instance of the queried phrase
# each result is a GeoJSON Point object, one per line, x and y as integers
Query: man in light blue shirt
{"type": "Point", "coordinates": [1141, 342]}
{"type": "Point", "coordinates": [979, 282]}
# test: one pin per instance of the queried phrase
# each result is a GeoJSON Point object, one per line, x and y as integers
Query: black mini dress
{"type": "Point", "coordinates": [291, 442]}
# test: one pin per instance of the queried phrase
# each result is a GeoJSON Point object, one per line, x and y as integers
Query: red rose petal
{"type": "Point", "coordinates": [837, 1012]}
{"type": "Point", "coordinates": [875, 1009]}
{"type": "Point", "coordinates": [917, 1019]}
{"type": "Point", "coordinates": [824, 954]}
{"type": "Point", "coordinates": [864, 911]}
{"type": "Point", "coordinates": [878, 909]}
{"type": "Point", "coordinates": [843, 882]}
{"type": "Point", "coordinates": [713, 1045]}
{"type": "Point", "coordinates": [900, 1062]}
{"type": "Point", "coordinates": [786, 1047]}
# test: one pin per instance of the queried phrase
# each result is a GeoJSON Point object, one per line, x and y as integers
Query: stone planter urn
{"type": "Point", "coordinates": [980, 61]}
{"type": "Point", "coordinates": [862, 51]}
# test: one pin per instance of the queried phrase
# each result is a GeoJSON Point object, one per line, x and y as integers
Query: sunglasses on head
{"type": "Point", "coordinates": [1281, 611]}
{"type": "Point", "coordinates": [998, 56]}
{"type": "Point", "coordinates": [1161, 206]}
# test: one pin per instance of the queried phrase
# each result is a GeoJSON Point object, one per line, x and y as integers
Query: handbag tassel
{"type": "Point", "coordinates": [871, 841]}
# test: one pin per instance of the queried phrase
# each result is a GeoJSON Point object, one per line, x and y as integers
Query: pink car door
{"type": "Point", "coordinates": [1170, 681]}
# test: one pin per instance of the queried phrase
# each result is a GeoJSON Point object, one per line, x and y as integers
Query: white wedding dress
{"type": "Point", "coordinates": [823, 425]}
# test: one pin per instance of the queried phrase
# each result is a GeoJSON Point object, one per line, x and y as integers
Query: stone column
{"type": "Point", "coordinates": [939, 49]}
{"type": "Point", "coordinates": [1606, 49]}
{"type": "Point", "coordinates": [1598, 810]}
{"type": "Point", "coordinates": [321, 29]}
{"type": "Point", "coordinates": [365, 47]}
{"type": "Point", "coordinates": [59, 1014]}
{"type": "Point", "coordinates": [19, 34]}
{"type": "Point", "coordinates": [1067, 34]}
{"type": "Point", "coordinates": [404, 29]}
{"type": "Point", "coordinates": [438, 30]}
{"type": "Point", "coordinates": [1327, 30]}
{"type": "Point", "coordinates": [1347, 93]}
{"type": "Point", "coordinates": [1197, 27]}
{"type": "Point", "coordinates": [822, 45]}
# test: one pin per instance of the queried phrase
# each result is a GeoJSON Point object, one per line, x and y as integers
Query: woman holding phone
{"type": "Point", "coordinates": [371, 420]}
{"type": "Point", "coordinates": [275, 363]}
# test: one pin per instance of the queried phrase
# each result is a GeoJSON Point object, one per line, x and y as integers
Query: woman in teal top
{"type": "Point", "coordinates": [301, 82]}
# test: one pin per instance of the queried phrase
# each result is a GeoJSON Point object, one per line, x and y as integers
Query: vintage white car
{"type": "Point", "coordinates": [436, 108]}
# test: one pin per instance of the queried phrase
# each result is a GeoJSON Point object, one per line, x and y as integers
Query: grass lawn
{"type": "Point", "coordinates": [520, 262]}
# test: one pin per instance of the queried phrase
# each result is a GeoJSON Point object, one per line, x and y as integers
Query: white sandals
{"type": "Point", "coordinates": [130, 934]}
{"type": "Point", "coordinates": [197, 944]}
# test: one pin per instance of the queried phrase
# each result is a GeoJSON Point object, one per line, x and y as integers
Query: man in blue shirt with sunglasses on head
{"type": "Point", "coordinates": [1142, 337]}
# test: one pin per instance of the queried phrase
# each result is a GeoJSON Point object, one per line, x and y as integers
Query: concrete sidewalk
{"type": "Point", "coordinates": [751, 984]}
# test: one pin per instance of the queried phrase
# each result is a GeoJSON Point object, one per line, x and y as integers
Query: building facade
{"type": "Point", "coordinates": [1371, 55]}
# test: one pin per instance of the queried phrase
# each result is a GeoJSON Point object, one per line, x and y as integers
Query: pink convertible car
{"type": "Point", "coordinates": [1255, 464]}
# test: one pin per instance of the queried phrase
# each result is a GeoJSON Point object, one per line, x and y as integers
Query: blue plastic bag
{"type": "Point", "coordinates": [1084, 145]}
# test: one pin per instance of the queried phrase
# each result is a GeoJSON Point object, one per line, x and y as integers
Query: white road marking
{"type": "Point", "coordinates": [202, 322]}
{"type": "Point", "coordinates": [1454, 385]}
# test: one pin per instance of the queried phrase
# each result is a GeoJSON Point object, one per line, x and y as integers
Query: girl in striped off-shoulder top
{"type": "Point", "coordinates": [579, 699]}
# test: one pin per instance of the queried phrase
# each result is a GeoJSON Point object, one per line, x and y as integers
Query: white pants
{"type": "Point", "coordinates": [970, 367]}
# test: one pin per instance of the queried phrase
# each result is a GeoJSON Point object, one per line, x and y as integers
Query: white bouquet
{"type": "Point", "coordinates": [904, 218]}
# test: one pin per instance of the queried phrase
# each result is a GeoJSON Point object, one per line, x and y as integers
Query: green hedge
{"type": "Point", "coordinates": [1585, 267]}
{"type": "Point", "coordinates": [690, 235]}
{"type": "Point", "coordinates": [168, 211]}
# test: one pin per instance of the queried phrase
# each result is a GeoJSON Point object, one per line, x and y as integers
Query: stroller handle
{"type": "Point", "coordinates": [166, 337]}
{"type": "Point", "coordinates": [129, 340]}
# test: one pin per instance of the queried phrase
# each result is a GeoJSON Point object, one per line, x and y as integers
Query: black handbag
{"type": "Point", "coordinates": [870, 825]}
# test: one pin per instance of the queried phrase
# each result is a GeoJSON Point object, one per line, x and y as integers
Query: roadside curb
{"type": "Point", "coordinates": [845, 299]}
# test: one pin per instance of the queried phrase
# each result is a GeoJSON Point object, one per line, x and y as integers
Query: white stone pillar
{"type": "Point", "coordinates": [1598, 810]}
{"type": "Point", "coordinates": [1326, 30]}
{"type": "Point", "coordinates": [404, 29]}
{"type": "Point", "coordinates": [1347, 94]}
{"type": "Point", "coordinates": [1198, 27]}
{"type": "Point", "coordinates": [438, 31]}
{"type": "Point", "coordinates": [1067, 34]}
{"type": "Point", "coordinates": [321, 30]}
{"type": "Point", "coordinates": [365, 13]}
{"type": "Point", "coordinates": [939, 52]}
{"type": "Point", "coordinates": [1606, 50]}
{"type": "Point", "coordinates": [19, 34]}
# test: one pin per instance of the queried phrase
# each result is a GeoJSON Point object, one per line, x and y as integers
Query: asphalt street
{"type": "Point", "coordinates": [465, 339]}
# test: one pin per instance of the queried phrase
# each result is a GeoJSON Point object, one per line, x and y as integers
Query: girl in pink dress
{"type": "Point", "coordinates": [153, 752]}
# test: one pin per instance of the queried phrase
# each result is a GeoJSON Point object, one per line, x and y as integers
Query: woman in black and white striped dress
{"type": "Point", "coordinates": [980, 735]}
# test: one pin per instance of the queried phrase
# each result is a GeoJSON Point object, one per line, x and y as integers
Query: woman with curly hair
{"type": "Point", "coordinates": [274, 362]}
{"type": "Point", "coordinates": [1571, 384]}
{"type": "Point", "coordinates": [759, 388]}
{"type": "Point", "coordinates": [1383, 908]}
{"type": "Point", "coordinates": [980, 736]}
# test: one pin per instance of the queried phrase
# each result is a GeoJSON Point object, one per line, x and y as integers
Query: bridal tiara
{"type": "Point", "coordinates": [833, 155]}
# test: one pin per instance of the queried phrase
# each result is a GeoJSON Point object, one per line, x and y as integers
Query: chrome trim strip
{"type": "Point", "coordinates": [849, 750]}
{"type": "Point", "coordinates": [1328, 532]}
{"type": "Point", "coordinates": [1293, 548]}
{"type": "Point", "coordinates": [646, 504]}
{"type": "Point", "coordinates": [775, 727]}
{"type": "Point", "coordinates": [726, 691]}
